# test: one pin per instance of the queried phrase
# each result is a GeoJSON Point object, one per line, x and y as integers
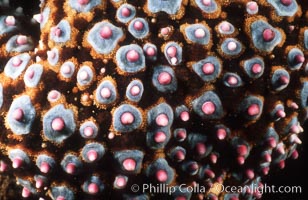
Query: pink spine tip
{"type": "Point", "coordinates": [129, 164]}
{"type": "Point", "coordinates": [253, 110]}
{"type": "Point", "coordinates": [284, 80]}
{"type": "Point", "coordinates": [30, 73]}
{"type": "Point", "coordinates": [232, 80]}
{"type": "Point", "coordinates": [93, 188]}
{"type": "Point", "coordinates": [209, 173]}
{"type": "Point", "coordinates": [271, 142]}
{"type": "Point", "coordinates": [3, 166]}
{"type": "Point", "coordinates": [165, 31]}
{"type": "Point", "coordinates": [267, 157]}
{"type": "Point", "coordinates": [240, 160]}
{"type": "Point", "coordinates": [17, 162]}
{"type": "Point", "coordinates": [256, 68]}
{"type": "Point", "coordinates": [38, 18]}
{"type": "Point", "coordinates": [199, 33]}
{"type": "Point", "coordinates": [88, 131]}
{"type": "Point", "coordinates": [66, 69]}
{"type": "Point", "coordinates": [280, 149]}
{"type": "Point", "coordinates": [161, 175]}
{"type": "Point", "coordinates": [208, 108]}
{"type": "Point", "coordinates": [221, 133]}
{"type": "Point", "coordinates": [125, 12]}
{"type": "Point", "coordinates": [200, 148]}
{"type": "Point", "coordinates": [58, 124]}
{"type": "Point", "coordinates": [18, 114]}
{"type": "Point", "coordinates": [281, 164]}
{"type": "Point", "coordinates": [171, 51]}
{"type": "Point", "coordinates": [179, 155]}
{"type": "Point", "coordinates": [225, 26]}
{"type": "Point", "coordinates": [162, 120]}
{"type": "Point", "coordinates": [295, 154]}
{"type": "Point", "coordinates": [127, 118]}
{"type": "Point", "coordinates": [83, 2]}
{"type": "Point", "coordinates": [280, 113]}
{"type": "Point", "coordinates": [106, 32]}
{"type": "Point", "coordinates": [56, 31]}
{"type": "Point", "coordinates": [250, 173]}
{"type": "Point", "coordinates": [22, 40]}
{"type": "Point", "coordinates": [39, 183]}
{"type": "Point", "coordinates": [84, 75]}
{"type": "Point", "coordinates": [60, 198]}
{"type": "Point", "coordinates": [120, 182]}
{"type": "Point", "coordinates": [295, 129]}
{"type": "Point", "coordinates": [164, 78]}
{"type": "Point", "coordinates": [16, 61]}
{"type": "Point", "coordinates": [10, 21]}
{"type": "Point", "coordinates": [70, 168]}
{"type": "Point", "coordinates": [184, 116]}
{"type": "Point", "coordinates": [45, 167]}
{"type": "Point", "coordinates": [160, 137]}
{"type": "Point", "coordinates": [299, 58]}
{"type": "Point", "coordinates": [138, 25]}
{"type": "Point", "coordinates": [231, 46]}
{"type": "Point", "coordinates": [213, 158]}
{"type": "Point", "coordinates": [105, 93]}
{"type": "Point", "coordinates": [135, 90]}
{"type": "Point", "coordinates": [132, 56]}
{"type": "Point", "coordinates": [252, 6]}
{"type": "Point", "coordinates": [181, 135]}
{"type": "Point", "coordinates": [208, 68]}
{"type": "Point", "coordinates": [268, 35]}
{"type": "Point", "coordinates": [286, 2]}
{"type": "Point", "coordinates": [53, 94]}
{"type": "Point", "coordinates": [25, 192]}
{"type": "Point", "coordinates": [234, 198]}
{"type": "Point", "coordinates": [92, 155]}
{"type": "Point", "coordinates": [150, 51]}
{"type": "Point", "coordinates": [242, 150]}
{"type": "Point", "coordinates": [207, 2]}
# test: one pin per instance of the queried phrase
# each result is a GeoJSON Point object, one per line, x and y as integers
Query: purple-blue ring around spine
{"type": "Point", "coordinates": [139, 34]}
{"type": "Point", "coordinates": [74, 4]}
{"type": "Point", "coordinates": [117, 124]}
{"type": "Point", "coordinates": [152, 144]}
{"type": "Point", "coordinates": [90, 73]}
{"type": "Point", "coordinates": [57, 191]}
{"type": "Point", "coordinates": [65, 36]}
{"type": "Point", "coordinates": [275, 80]}
{"type": "Point", "coordinates": [257, 28]}
{"type": "Point", "coordinates": [197, 67]}
{"type": "Point", "coordinates": [291, 58]}
{"type": "Point", "coordinates": [207, 9]}
{"type": "Point", "coordinates": [44, 158]}
{"type": "Point", "coordinates": [55, 60]}
{"type": "Point", "coordinates": [170, 7]}
{"type": "Point", "coordinates": [93, 179]}
{"type": "Point", "coordinates": [59, 111]}
{"type": "Point", "coordinates": [14, 72]}
{"type": "Point", "coordinates": [244, 105]}
{"type": "Point", "coordinates": [18, 153]}
{"type": "Point", "coordinates": [178, 55]}
{"type": "Point", "coordinates": [160, 164]}
{"type": "Point", "coordinates": [283, 10]}
{"type": "Point", "coordinates": [190, 34]}
{"type": "Point", "coordinates": [106, 84]}
{"type": "Point", "coordinates": [4, 28]}
{"type": "Point", "coordinates": [86, 124]}
{"type": "Point", "coordinates": [171, 87]}
{"type": "Point", "coordinates": [12, 46]}
{"type": "Point", "coordinates": [124, 19]}
{"type": "Point", "coordinates": [34, 81]}
{"type": "Point", "coordinates": [71, 65]}
{"type": "Point", "coordinates": [127, 66]}
{"type": "Point", "coordinates": [248, 64]}
{"type": "Point", "coordinates": [70, 158]}
{"type": "Point", "coordinates": [162, 108]}
{"type": "Point", "coordinates": [136, 155]}
{"type": "Point", "coordinates": [212, 97]}
{"type": "Point", "coordinates": [24, 126]}
{"type": "Point", "coordinates": [236, 51]}
{"type": "Point", "coordinates": [100, 150]}
{"type": "Point", "coordinates": [137, 97]}
{"type": "Point", "coordinates": [101, 45]}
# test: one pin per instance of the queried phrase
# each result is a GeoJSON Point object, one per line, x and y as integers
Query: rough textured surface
{"type": "Point", "coordinates": [207, 112]}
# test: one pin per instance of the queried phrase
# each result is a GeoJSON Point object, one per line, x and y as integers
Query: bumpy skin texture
{"type": "Point", "coordinates": [225, 110]}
